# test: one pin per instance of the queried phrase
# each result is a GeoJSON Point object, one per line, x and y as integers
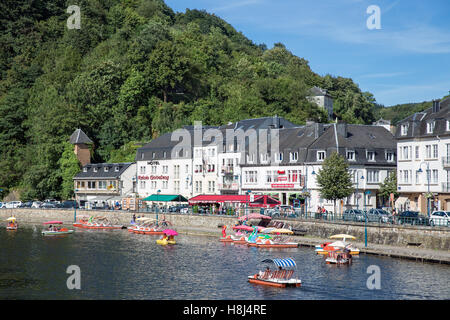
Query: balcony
{"type": "Point", "coordinates": [446, 162]}
{"type": "Point", "coordinates": [227, 170]}
{"type": "Point", "coordinates": [228, 186]}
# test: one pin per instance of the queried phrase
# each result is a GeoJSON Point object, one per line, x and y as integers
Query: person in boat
{"type": "Point", "coordinates": [224, 231]}
{"type": "Point", "coordinates": [261, 273]}
{"type": "Point", "coordinates": [348, 255]}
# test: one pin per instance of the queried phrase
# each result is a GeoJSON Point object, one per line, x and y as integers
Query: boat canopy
{"type": "Point", "coordinates": [53, 222]}
{"type": "Point", "coordinates": [286, 262]}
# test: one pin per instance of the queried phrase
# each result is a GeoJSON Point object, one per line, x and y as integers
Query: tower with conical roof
{"type": "Point", "coordinates": [82, 150]}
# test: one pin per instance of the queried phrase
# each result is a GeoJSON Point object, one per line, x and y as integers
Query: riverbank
{"type": "Point", "coordinates": [413, 243]}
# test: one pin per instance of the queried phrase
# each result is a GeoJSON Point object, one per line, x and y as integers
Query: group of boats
{"type": "Point", "coordinates": [260, 237]}
{"type": "Point", "coordinates": [140, 226]}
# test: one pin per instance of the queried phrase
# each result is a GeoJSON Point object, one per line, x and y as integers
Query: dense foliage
{"type": "Point", "coordinates": [134, 70]}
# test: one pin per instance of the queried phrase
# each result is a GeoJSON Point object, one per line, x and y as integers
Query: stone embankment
{"type": "Point", "coordinates": [409, 242]}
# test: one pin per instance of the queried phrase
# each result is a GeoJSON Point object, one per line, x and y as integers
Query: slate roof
{"type": "Point", "coordinates": [417, 122]}
{"type": "Point", "coordinates": [316, 91]}
{"type": "Point", "coordinates": [79, 137]}
{"type": "Point", "coordinates": [101, 173]}
{"type": "Point", "coordinates": [306, 140]}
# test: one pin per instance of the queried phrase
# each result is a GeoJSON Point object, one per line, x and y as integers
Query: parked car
{"type": "Point", "coordinates": [36, 204]}
{"type": "Point", "coordinates": [1, 204]}
{"type": "Point", "coordinates": [379, 215]}
{"type": "Point", "coordinates": [184, 210]}
{"type": "Point", "coordinates": [26, 204]}
{"type": "Point", "coordinates": [49, 205]}
{"type": "Point", "coordinates": [13, 204]}
{"type": "Point", "coordinates": [412, 217]}
{"type": "Point", "coordinates": [353, 215]}
{"type": "Point", "coordinates": [177, 208]}
{"type": "Point", "coordinates": [440, 218]}
{"type": "Point", "coordinates": [69, 204]}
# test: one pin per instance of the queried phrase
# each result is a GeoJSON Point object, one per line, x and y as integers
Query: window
{"type": "Point", "coordinates": [211, 186]}
{"type": "Point", "coordinates": [435, 151]}
{"type": "Point", "coordinates": [406, 152]}
{"type": "Point", "coordinates": [91, 184]}
{"type": "Point", "coordinates": [428, 151]}
{"type": "Point", "coordinates": [370, 155]}
{"type": "Point", "coordinates": [294, 156]}
{"type": "Point", "coordinates": [269, 176]}
{"type": "Point", "coordinates": [165, 169]}
{"type": "Point", "coordinates": [389, 156]}
{"type": "Point", "coordinates": [279, 157]}
{"type": "Point", "coordinates": [417, 177]}
{"type": "Point", "coordinates": [116, 169]}
{"type": "Point", "coordinates": [321, 155]}
{"type": "Point", "coordinates": [154, 169]}
{"type": "Point", "coordinates": [294, 175]}
{"type": "Point", "coordinates": [85, 169]}
{"type": "Point", "coordinates": [154, 185]}
{"type": "Point", "coordinates": [142, 184]}
{"type": "Point", "coordinates": [417, 152]}
{"type": "Point", "coordinates": [102, 185]}
{"type": "Point", "coordinates": [95, 169]}
{"type": "Point", "coordinates": [447, 125]}
{"type": "Point", "coordinates": [187, 169]}
{"type": "Point", "coordinates": [153, 155]}
{"type": "Point", "coordinates": [373, 176]}
{"type": "Point", "coordinates": [165, 154]}
{"type": "Point", "coordinates": [265, 157]}
{"type": "Point", "coordinates": [404, 129]}
{"type": "Point", "coordinates": [250, 158]}
{"type": "Point", "coordinates": [176, 170]}
{"type": "Point", "coordinates": [165, 184]}
{"type": "Point", "coordinates": [142, 170]}
{"type": "Point", "coordinates": [435, 176]}
{"type": "Point", "coordinates": [350, 155]}
{"type": "Point", "coordinates": [251, 176]}
{"type": "Point", "coordinates": [198, 186]}
{"type": "Point", "coordinates": [142, 156]}
{"type": "Point", "coordinates": [430, 126]}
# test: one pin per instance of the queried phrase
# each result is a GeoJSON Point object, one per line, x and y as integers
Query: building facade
{"type": "Point", "coordinates": [104, 184]}
{"type": "Point", "coordinates": [423, 168]}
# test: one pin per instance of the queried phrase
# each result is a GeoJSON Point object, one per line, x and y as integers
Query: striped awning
{"type": "Point", "coordinates": [286, 262]}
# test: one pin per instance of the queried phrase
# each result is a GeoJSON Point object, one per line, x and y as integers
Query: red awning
{"type": "Point", "coordinates": [258, 201]}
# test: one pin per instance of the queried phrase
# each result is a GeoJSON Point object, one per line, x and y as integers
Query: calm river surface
{"type": "Point", "coordinates": [117, 264]}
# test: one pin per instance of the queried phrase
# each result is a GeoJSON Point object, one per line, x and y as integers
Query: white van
{"type": "Point", "coordinates": [440, 218]}
{"type": "Point", "coordinates": [13, 204]}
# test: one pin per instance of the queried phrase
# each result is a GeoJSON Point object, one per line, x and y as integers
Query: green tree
{"type": "Point", "coordinates": [334, 179]}
{"type": "Point", "coordinates": [388, 187]}
{"type": "Point", "coordinates": [69, 166]}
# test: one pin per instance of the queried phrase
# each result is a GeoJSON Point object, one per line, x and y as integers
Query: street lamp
{"type": "Point", "coordinates": [75, 207]}
{"type": "Point", "coordinates": [428, 182]}
{"type": "Point", "coordinates": [365, 220]}
{"type": "Point", "coordinates": [157, 205]}
{"type": "Point", "coordinates": [357, 187]}
{"type": "Point", "coordinates": [248, 200]}
{"type": "Point", "coordinates": [306, 189]}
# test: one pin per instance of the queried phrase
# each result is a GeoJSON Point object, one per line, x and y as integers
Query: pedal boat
{"type": "Point", "coordinates": [167, 238]}
{"type": "Point", "coordinates": [281, 278]}
{"type": "Point", "coordinates": [56, 231]}
{"type": "Point", "coordinates": [338, 257]}
{"type": "Point", "coordinates": [12, 224]}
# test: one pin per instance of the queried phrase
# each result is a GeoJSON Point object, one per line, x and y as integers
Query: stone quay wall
{"type": "Point", "coordinates": [389, 235]}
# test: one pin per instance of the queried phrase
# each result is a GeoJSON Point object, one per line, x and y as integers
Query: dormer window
{"type": "Point", "coordinates": [321, 155]}
{"type": "Point", "coordinates": [85, 169]}
{"type": "Point", "coordinates": [404, 129]}
{"type": "Point", "coordinates": [153, 155]}
{"type": "Point", "coordinates": [293, 156]}
{"type": "Point", "coordinates": [116, 169]}
{"type": "Point", "coordinates": [447, 126]}
{"type": "Point", "coordinates": [370, 155]}
{"type": "Point", "coordinates": [430, 126]}
{"type": "Point", "coordinates": [142, 156]}
{"type": "Point", "coordinates": [250, 158]}
{"type": "Point", "coordinates": [106, 169]}
{"type": "Point", "coordinates": [265, 157]}
{"type": "Point", "coordinates": [350, 155]}
{"type": "Point", "coordinates": [95, 169]}
{"type": "Point", "coordinates": [389, 156]}
{"type": "Point", "coordinates": [165, 154]}
{"type": "Point", "coordinates": [279, 157]}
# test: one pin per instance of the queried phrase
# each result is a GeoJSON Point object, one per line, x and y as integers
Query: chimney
{"type": "Point", "coordinates": [341, 128]}
{"type": "Point", "coordinates": [276, 122]}
{"type": "Point", "coordinates": [318, 130]}
{"type": "Point", "coordinates": [436, 106]}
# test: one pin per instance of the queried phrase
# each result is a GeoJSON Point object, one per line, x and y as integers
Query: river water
{"type": "Point", "coordinates": [116, 264]}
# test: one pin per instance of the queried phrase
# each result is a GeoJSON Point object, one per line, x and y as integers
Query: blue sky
{"type": "Point", "coordinates": [407, 60]}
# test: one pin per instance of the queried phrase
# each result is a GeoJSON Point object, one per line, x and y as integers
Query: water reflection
{"type": "Point", "coordinates": [116, 264]}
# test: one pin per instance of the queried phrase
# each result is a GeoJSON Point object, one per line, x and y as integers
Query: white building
{"type": "Point", "coordinates": [423, 168]}
{"type": "Point", "coordinates": [321, 97]}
